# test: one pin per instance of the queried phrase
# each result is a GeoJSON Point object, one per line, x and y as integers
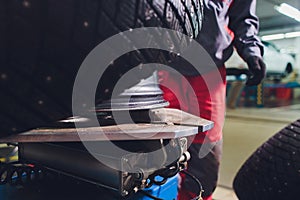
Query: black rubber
{"type": "Point", "coordinates": [289, 68]}
{"type": "Point", "coordinates": [273, 170]}
{"type": "Point", "coordinates": [43, 43]}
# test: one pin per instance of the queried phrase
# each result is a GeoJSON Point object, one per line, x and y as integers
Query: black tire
{"type": "Point", "coordinates": [289, 68]}
{"type": "Point", "coordinates": [273, 170]}
{"type": "Point", "coordinates": [43, 43]}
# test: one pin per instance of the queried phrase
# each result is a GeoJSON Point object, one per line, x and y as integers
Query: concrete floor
{"type": "Point", "coordinates": [244, 131]}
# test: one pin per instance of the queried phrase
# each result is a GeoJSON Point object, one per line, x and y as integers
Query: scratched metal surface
{"type": "Point", "coordinates": [120, 132]}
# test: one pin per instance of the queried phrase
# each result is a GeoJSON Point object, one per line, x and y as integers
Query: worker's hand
{"type": "Point", "coordinates": [257, 68]}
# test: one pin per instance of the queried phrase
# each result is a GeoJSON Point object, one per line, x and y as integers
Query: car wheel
{"type": "Point", "coordinates": [273, 170]}
{"type": "Point", "coordinates": [289, 68]}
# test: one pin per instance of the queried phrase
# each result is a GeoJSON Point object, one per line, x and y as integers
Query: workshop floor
{"type": "Point", "coordinates": [244, 131]}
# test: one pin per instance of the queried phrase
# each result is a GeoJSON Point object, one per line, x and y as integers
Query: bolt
{"type": "Point", "coordinates": [124, 193]}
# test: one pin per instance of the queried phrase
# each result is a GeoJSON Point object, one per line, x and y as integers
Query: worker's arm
{"type": "Point", "coordinates": [244, 23]}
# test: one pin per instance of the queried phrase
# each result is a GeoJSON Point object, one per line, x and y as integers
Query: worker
{"type": "Point", "coordinates": [227, 24]}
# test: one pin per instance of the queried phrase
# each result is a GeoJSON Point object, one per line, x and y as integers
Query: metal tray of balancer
{"type": "Point", "coordinates": [64, 150]}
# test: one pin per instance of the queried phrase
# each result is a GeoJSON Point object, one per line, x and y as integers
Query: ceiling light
{"type": "Point", "coordinates": [273, 37]}
{"type": "Point", "coordinates": [292, 34]}
{"type": "Point", "coordinates": [289, 11]}
{"type": "Point", "coordinates": [281, 36]}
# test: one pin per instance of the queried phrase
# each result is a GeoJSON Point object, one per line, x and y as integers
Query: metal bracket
{"type": "Point", "coordinates": [178, 117]}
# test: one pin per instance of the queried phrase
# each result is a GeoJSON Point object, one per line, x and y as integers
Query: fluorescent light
{"type": "Point", "coordinates": [273, 37]}
{"type": "Point", "coordinates": [289, 11]}
{"type": "Point", "coordinates": [281, 36]}
{"type": "Point", "coordinates": [292, 34]}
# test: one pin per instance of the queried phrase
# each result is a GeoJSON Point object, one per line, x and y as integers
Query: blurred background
{"type": "Point", "coordinates": [254, 114]}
